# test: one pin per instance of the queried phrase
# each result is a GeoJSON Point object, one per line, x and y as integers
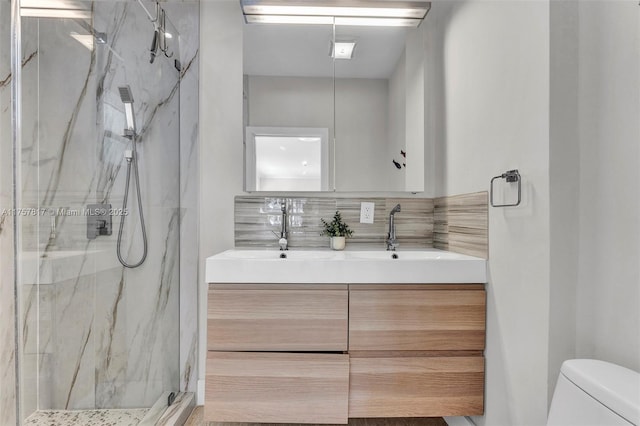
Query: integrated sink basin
{"type": "Point", "coordinates": [340, 267]}
{"type": "Point", "coordinates": [277, 254]}
{"type": "Point", "coordinates": [403, 255]}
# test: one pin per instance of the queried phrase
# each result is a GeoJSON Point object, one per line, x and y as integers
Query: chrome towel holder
{"type": "Point", "coordinates": [511, 176]}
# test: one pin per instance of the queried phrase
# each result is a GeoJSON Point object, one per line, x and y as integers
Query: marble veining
{"type": "Point", "coordinates": [94, 334]}
{"type": "Point", "coordinates": [7, 80]}
{"type": "Point", "coordinates": [52, 187]}
{"type": "Point", "coordinates": [185, 16]}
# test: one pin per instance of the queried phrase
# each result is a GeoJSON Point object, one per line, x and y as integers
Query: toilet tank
{"type": "Point", "coordinates": [595, 393]}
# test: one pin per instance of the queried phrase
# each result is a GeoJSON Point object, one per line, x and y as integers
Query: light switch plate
{"type": "Point", "coordinates": [366, 212]}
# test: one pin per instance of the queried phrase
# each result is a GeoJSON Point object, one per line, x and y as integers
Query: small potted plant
{"type": "Point", "coordinates": [337, 230]}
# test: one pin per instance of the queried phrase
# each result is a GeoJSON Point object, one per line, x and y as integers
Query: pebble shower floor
{"type": "Point", "coordinates": [129, 417]}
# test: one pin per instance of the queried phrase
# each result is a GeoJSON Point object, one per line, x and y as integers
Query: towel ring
{"type": "Point", "coordinates": [510, 176]}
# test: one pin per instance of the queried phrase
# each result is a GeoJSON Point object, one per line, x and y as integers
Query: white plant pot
{"type": "Point", "coordinates": [338, 243]}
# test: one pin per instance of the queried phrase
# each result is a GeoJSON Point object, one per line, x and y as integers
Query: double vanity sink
{"type": "Point", "coordinates": [348, 266]}
{"type": "Point", "coordinates": [319, 336]}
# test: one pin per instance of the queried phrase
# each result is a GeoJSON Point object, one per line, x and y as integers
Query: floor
{"type": "Point", "coordinates": [196, 420]}
{"type": "Point", "coordinates": [86, 417]}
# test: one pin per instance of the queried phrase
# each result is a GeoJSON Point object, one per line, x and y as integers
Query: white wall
{"type": "Point", "coordinates": [415, 109]}
{"type": "Point", "coordinates": [221, 153]}
{"type": "Point", "coordinates": [361, 111]}
{"type": "Point", "coordinates": [361, 121]}
{"type": "Point", "coordinates": [564, 104]}
{"type": "Point", "coordinates": [595, 134]}
{"type": "Point", "coordinates": [397, 118]}
{"type": "Point", "coordinates": [291, 102]}
{"type": "Point", "coordinates": [608, 317]}
{"type": "Point", "coordinates": [564, 185]}
{"type": "Point", "coordinates": [488, 76]}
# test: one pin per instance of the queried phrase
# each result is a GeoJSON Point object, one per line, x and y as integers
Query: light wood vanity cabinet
{"type": "Point", "coordinates": [416, 318]}
{"type": "Point", "coordinates": [277, 387]}
{"type": "Point", "coordinates": [322, 353]}
{"type": "Point", "coordinates": [416, 350]}
{"type": "Point", "coordinates": [277, 353]}
{"type": "Point", "coordinates": [267, 317]}
{"type": "Point", "coordinates": [416, 386]}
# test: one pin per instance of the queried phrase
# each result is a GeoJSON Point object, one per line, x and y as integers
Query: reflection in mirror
{"type": "Point", "coordinates": [379, 110]}
{"type": "Point", "coordinates": [288, 83]}
{"type": "Point", "coordinates": [372, 104]}
{"type": "Point", "coordinates": [287, 159]}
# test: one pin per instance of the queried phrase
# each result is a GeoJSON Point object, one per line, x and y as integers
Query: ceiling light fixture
{"type": "Point", "coordinates": [340, 12]}
{"type": "Point", "coordinates": [54, 9]}
{"type": "Point", "coordinates": [377, 22]}
{"type": "Point", "coordinates": [55, 13]}
{"type": "Point", "coordinates": [286, 19]}
{"type": "Point", "coordinates": [342, 49]}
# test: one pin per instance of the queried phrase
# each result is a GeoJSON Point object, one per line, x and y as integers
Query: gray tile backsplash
{"type": "Point", "coordinates": [457, 223]}
{"type": "Point", "coordinates": [461, 224]}
{"type": "Point", "coordinates": [258, 221]}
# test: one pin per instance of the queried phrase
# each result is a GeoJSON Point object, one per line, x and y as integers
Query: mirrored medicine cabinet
{"type": "Point", "coordinates": [315, 121]}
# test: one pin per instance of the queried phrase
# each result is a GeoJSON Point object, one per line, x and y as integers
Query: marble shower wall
{"type": "Point", "coordinates": [94, 334]}
{"type": "Point", "coordinates": [186, 17]}
{"type": "Point", "coordinates": [7, 298]}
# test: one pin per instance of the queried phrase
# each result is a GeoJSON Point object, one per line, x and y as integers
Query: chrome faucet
{"type": "Point", "coordinates": [283, 229]}
{"type": "Point", "coordinates": [391, 241]}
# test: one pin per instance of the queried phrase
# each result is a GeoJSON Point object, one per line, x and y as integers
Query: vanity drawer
{"type": "Point", "coordinates": [416, 386]}
{"type": "Point", "coordinates": [277, 387]}
{"type": "Point", "coordinates": [416, 319]}
{"type": "Point", "coordinates": [277, 319]}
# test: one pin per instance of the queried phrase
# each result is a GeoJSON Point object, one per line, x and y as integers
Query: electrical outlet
{"type": "Point", "coordinates": [366, 212]}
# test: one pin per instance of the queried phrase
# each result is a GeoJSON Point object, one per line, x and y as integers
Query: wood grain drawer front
{"type": "Point", "coordinates": [416, 387]}
{"type": "Point", "coordinates": [416, 320]}
{"type": "Point", "coordinates": [277, 320]}
{"type": "Point", "coordinates": [277, 387]}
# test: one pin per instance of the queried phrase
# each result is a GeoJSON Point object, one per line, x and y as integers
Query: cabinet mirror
{"type": "Point", "coordinates": [301, 84]}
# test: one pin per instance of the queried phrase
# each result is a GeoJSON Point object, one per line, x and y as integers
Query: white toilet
{"type": "Point", "coordinates": [595, 393]}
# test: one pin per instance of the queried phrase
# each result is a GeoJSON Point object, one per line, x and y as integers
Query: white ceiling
{"type": "Point", "coordinates": [303, 50]}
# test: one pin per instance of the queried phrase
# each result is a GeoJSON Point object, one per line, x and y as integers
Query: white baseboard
{"type": "Point", "coordinates": [200, 393]}
{"type": "Point", "coordinates": [459, 421]}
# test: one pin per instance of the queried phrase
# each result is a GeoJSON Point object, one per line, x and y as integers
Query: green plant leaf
{"type": "Point", "coordinates": [337, 227]}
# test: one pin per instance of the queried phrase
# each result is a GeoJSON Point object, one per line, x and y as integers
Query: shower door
{"type": "Point", "coordinates": [95, 334]}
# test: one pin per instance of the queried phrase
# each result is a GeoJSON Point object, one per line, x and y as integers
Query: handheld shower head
{"type": "Point", "coordinates": [125, 94]}
{"type": "Point", "coordinates": [127, 100]}
{"type": "Point", "coordinates": [154, 45]}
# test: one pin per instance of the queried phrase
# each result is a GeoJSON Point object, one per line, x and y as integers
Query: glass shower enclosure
{"type": "Point", "coordinates": [94, 334]}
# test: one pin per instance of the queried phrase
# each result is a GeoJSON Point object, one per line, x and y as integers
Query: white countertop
{"type": "Point", "coordinates": [345, 267]}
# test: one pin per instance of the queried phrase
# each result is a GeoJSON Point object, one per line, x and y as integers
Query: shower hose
{"type": "Point", "coordinates": [133, 158]}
